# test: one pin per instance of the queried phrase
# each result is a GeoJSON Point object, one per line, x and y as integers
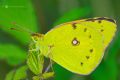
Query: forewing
{"type": "Point", "coordinates": [78, 48]}
{"type": "Point", "coordinates": [106, 26]}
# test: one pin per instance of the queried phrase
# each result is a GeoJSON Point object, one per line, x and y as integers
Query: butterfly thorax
{"type": "Point", "coordinates": [38, 39]}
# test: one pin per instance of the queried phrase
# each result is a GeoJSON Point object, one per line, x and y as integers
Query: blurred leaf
{"type": "Point", "coordinates": [12, 54]}
{"type": "Point", "coordinates": [10, 75]}
{"type": "Point", "coordinates": [21, 73]}
{"type": "Point", "coordinates": [35, 60]}
{"type": "Point", "coordinates": [61, 72]}
{"type": "Point", "coordinates": [18, 74]}
{"type": "Point", "coordinates": [47, 75]}
{"type": "Point", "coordinates": [99, 73]}
{"type": "Point", "coordinates": [103, 70]}
{"type": "Point", "coordinates": [108, 68]}
{"type": "Point", "coordinates": [35, 63]}
{"type": "Point", "coordinates": [79, 77]}
{"type": "Point", "coordinates": [48, 15]}
{"type": "Point", "coordinates": [74, 14]}
{"type": "Point", "coordinates": [20, 12]}
{"type": "Point", "coordinates": [44, 76]}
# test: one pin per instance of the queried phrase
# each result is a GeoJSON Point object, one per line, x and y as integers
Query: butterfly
{"type": "Point", "coordinates": [78, 46]}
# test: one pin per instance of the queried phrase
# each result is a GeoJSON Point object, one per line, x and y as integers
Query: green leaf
{"type": "Point", "coordinates": [18, 74]}
{"type": "Point", "coordinates": [60, 71]}
{"type": "Point", "coordinates": [48, 75]}
{"type": "Point", "coordinates": [20, 12]}
{"type": "Point", "coordinates": [21, 73]}
{"type": "Point", "coordinates": [12, 54]}
{"type": "Point", "coordinates": [44, 76]}
{"type": "Point", "coordinates": [108, 68]}
{"type": "Point", "coordinates": [35, 63]}
{"type": "Point", "coordinates": [10, 75]}
{"type": "Point", "coordinates": [35, 60]}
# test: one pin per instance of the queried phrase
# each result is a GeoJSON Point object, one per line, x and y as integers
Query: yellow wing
{"type": "Point", "coordinates": [76, 47]}
{"type": "Point", "coordinates": [106, 26]}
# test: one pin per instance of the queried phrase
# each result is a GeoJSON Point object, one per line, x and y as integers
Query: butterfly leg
{"type": "Point", "coordinates": [48, 74]}
{"type": "Point", "coordinates": [49, 54]}
{"type": "Point", "coordinates": [49, 66]}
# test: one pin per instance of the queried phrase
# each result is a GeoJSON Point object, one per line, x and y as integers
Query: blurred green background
{"type": "Point", "coordinates": [42, 15]}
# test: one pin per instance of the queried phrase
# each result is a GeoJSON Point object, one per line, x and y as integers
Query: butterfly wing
{"type": "Point", "coordinates": [78, 48]}
{"type": "Point", "coordinates": [106, 26]}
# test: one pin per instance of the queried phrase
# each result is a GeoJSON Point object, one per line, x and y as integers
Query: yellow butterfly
{"type": "Point", "coordinates": [78, 46]}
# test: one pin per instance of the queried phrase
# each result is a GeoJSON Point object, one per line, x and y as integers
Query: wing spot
{"type": "Point", "coordinates": [74, 26]}
{"type": "Point", "coordinates": [87, 57]}
{"type": "Point", "coordinates": [91, 50]}
{"type": "Point", "coordinates": [81, 63]}
{"type": "Point", "coordinates": [90, 36]}
{"type": "Point", "coordinates": [102, 30]}
{"type": "Point", "coordinates": [75, 42]}
{"type": "Point", "coordinates": [85, 29]}
{"type": "Point", "coordinates": [99, 21]}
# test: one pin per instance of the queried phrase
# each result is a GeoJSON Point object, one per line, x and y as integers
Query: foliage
{"type": "Point", "coordinates": [42, 15]}
{"type": "Point", "coordinates": [20, 73]}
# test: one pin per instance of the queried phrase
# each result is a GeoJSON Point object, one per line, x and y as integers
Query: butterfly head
{"type": "Point", "coordinates": [37, 37]}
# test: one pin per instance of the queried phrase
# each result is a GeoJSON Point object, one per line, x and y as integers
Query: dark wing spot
{"type": "Point", "coordinates": [91, 50]}
{"type": "Point", "coordinates": [87, 57]}
{"type": "Point", "coordinates": [90, 36]}
{"type": "Point", "coordinates": [74, 26]}
{"type": "Point", "coordinates": [99, 21]}
{"type": "Point", "coordinates": [102, 30]}
{"type": "Point", "coordinates": [81, 63]}
{"type": "Point", "coordinates": [85, 29]}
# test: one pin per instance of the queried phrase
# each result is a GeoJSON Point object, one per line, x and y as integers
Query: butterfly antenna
{"type": "Point", "coordinates": [20, 28]}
